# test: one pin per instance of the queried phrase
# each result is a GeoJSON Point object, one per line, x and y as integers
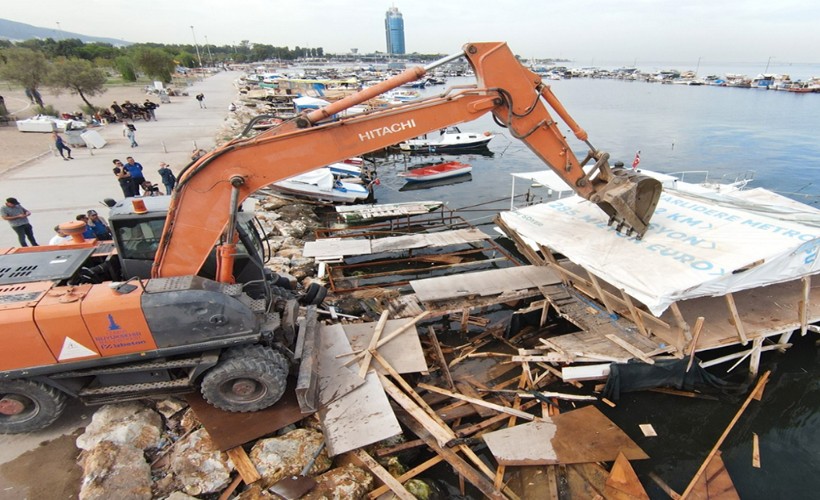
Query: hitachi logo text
{"type": "Point", "coordinates": [383, 131]}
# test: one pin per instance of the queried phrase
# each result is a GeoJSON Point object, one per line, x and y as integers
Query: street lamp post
{"type": "Point", "coordinates": [197, 47]}
{"type": "Point", "coordinates": [208, 46]}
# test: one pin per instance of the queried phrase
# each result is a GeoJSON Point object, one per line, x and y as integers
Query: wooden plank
{"type": "Point", "coordinates": [630, 348]}
{"type": "Point", "coordinates": [498, 408]}
{"type": "Point", "coordinates": [623, 483]}
{"type": "Point", "coordinates": [391, 482]}
{"type": "Point", "coordinates": [439, 433]}
{"type": "Point", "coordinates": [603, 298]}
{"type": "Point", "coordinates": [442, 362]}
{"type": "Point", "coordinates": [242, 463]}
{"type": "Point", "coordinates": [695, 336]}
{"type": "Point", "coordinates": [758, 387]}
{"type": "Point", "coordinates": [754, 358]}
{"type": "Point", "coordinates": [741, 331]}
{"type": "Point", "coordinates": [374, 341]}
{"type": "Point", "coordinates": [584, 372]}
{"type": "Point", "coordinates": [755, 451]}
{"type": "Point", "coordinates": [415, 471]}
{"type": "Point", "coordinates": [468, 390]}
{"type": "Point", "coordinates": [404, 352]}
{"type": "Point", "coordinates": [483, 283]}
{"type": "Point", "coordinates": [462, 468]}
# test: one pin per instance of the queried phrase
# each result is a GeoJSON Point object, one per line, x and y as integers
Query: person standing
{"type": "Point", "coordinates": [124, 178]}
{"type": "Point", "coordinates": [201, 98]}
{"type": "Point", "coordinates": [135, 171]}
{"type": "Point", "coordinates": [88, 234]}
{"type": "Point", "coordinates": [59, 238]}
{"type": "Point", "coordinates": [130, 131]}
{"type": "Point", "coordinates": [150, 107]}
{"type": "Point", "coordinates": [168, 178]}
{"type": "Point", "coordinates": [61, 146]}
{"type": "Point", "coordinates": [17, 216]}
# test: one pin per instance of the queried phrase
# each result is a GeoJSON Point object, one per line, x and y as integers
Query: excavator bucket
{"type": "Point", "coordinates": [629, 198]}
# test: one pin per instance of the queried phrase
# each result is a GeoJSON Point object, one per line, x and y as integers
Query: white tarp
{"type": "Point", "coordinates": [695, 246]}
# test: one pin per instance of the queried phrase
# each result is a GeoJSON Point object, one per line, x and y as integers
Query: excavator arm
{"type": "Point", "coordinates": [205, 201]}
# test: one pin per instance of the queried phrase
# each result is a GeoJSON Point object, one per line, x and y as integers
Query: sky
{"type": "Point", "coordinates": [591, 30]}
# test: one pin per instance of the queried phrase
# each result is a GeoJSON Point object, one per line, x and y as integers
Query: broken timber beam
{"type": "Point", "coordinates": [631, 349]}
{"type": "Point", "coordinates": [377, 470]}
{"type": "Point", "coordinates": [440, 355]}
{"type": "Point", "coordinates": [633, 311]}
{"type": "Point", "coordinates": [476, 401]}
{"type": "Point", "coordinates": [741, 331]}
{"type": "Point", "coordinates": [243, 465]}
{"type": "Point", "coordinates": [695, 336]}
{"type": "Point", "coordinates": [374, 341]}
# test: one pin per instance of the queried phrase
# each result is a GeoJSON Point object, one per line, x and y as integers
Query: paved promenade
{"type": "Point", "coordinates": [56, 191]}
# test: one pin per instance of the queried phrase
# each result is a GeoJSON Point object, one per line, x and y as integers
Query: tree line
{"type": "Point", "coordinates": [83, 68]}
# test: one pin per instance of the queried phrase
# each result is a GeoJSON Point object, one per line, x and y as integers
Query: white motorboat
{"type": "Point", "coordinates": [320, 185]}
{"type": "Point", "coordinates": [449, 140]}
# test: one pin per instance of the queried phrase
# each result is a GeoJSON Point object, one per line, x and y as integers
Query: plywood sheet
{"type": "Point", "coordinates": [404, 353]}
{"type": "Point", "coordinates": [484, 283]}
{"type": "Point", "coordinates": [359, 418]}
{"type": "Point", "coordinates": [440, 239]}
{"type": "Point", "coordinates": [336, 247]}
{"type": "Point", "coordinates": [580, 436]}
{"type": "Point", "coordinates": [228, 430]}
{"type": "Point", "coordinates": [335, 379]}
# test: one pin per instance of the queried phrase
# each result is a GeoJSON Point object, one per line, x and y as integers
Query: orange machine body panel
{"type": "Point", "coordinates": [116, 321]}
{"type": "Point", "coordinates": [21, 342]}
{"type": "Point", "coordinates": [61, 324]}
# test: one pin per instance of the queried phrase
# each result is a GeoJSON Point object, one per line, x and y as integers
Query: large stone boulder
{"type": "Point", "coordinates": [342, 483]}
{"type": "Point", "coordinates": [127, 423]}
{"type": "Point", "coordinates": [284, 456]}
{"type": "Point", "coordinates": [198, 465]}
{"type": "Point", "coordinates": [112, 470]}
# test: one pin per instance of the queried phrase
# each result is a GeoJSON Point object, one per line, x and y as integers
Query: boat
{"type": "Point", "coordinates": [322, 186]}
{"type": "Point", "coordinates": [449, 139]}
{"type": "Point", "coordinates": [437, 172]}
{"type": "Point", "coordinates": [450, 181]}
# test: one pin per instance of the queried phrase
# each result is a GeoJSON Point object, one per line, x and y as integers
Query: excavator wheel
{"type": "Point", "coordinates": [255, 351]}
{"type": "Point", "coordinates": [243, 384]}
{"type": "Point", "coordinates": [27, 406]}
{"type": "Point", "coordinates": [314, 295]}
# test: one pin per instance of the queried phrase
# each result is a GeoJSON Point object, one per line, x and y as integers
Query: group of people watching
{"type": "Point", "coordinates": [95, 227]}
{"type": "Point", "coordinates": [132, 111]}
{"type": "Point", "coordinates": [132, 180]}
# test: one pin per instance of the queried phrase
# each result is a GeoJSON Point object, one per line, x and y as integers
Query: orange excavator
{"type": "Point", "coordinates": [181, 300]}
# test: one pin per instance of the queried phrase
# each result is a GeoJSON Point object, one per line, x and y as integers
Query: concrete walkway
{"type": "Point", "coordinates": [55, 191]}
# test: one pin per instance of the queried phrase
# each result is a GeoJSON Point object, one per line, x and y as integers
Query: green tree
{"type": "Point", "coordinates": [155, 63]}
{"type": "Point", "coordinates": [78, 76]}
{"type": "Point", "coordinates": [186, 59]}
{"type": "Point", "coordinates": [127, 69]}
{"type": "Point", "coordinates": [27, 68]}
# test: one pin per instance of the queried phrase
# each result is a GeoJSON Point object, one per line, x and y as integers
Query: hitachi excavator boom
{"type": "Point", "coordinates": [209, 190]}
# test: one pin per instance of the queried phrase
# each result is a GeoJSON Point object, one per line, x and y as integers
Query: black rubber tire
{"type": "Point", "coordinates": [314, 295]}
{"type": "Point", "coordinates": [246, 384]}
{"type": "Point", "coordinates": [43, 405]}
{"type": "Point", "coordinates": [255, 351]}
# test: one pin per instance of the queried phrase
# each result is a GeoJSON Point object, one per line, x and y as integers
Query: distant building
{"type": "Point", "coordinates": [394, 31]}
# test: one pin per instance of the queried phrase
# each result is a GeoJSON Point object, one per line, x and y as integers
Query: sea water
{"type": "Point", "coordinates": [725, 131]}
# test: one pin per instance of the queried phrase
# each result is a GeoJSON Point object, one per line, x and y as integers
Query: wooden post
{"type": "Point", "coordinates": [803, 309]}
{"type": "Point", "coordinates": [754, 359]}
{"type": "Point", "coordinates": [633, 311]}
{"type": "Point", "coordinates": [741, 332]}
{"type": "Point", "coordinates": [440, 355]}
{"type": "Point", "coordinates": [243, 465]}
{"type": "Point", "coordinates": [695, 336]}
{"type": "Point", "coordinates": [391, 482]}
{"type": "Point", "coordinates": [759, 386]}
{"type": "Point", "coordinates": [682, 324]}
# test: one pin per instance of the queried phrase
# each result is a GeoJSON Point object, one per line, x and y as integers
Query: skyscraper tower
{"type": "Point", "coordinates": [394, 31]}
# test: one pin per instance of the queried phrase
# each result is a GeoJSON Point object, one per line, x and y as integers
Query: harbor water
{"type": "Point", "coordinates": [727, 132]}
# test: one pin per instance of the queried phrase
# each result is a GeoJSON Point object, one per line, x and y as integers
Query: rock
{"type": "Point", "coordinates": [343, 483]}
{"type": "Point", "coordinates": [130, 423]}
{"type": "Point", "coordinates": [287, 455]}
{"type": "Point", "coordinates": [178, 495]}
{"type": "Point", "coordinates": [169, 407]}
{"type": "Point", "coordinates": [112, 470]}
{"type": "Point", "coordinates": [198, 466]}
{"type": "Point", "coordinates": [302, 267]}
